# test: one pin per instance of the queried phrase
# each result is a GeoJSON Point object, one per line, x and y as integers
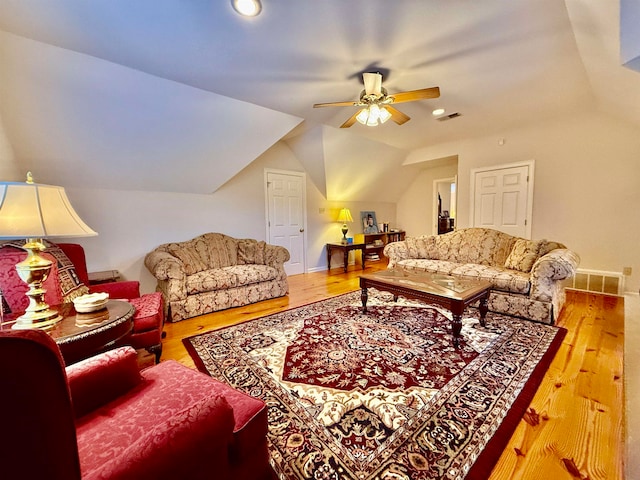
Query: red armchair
{"type": "Point", "coordinates": [148, 320]}
{"type": "Point", "coordinates": [103, 419]}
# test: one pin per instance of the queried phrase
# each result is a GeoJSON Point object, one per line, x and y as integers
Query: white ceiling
{"type": "Point", "coordinates": [191, 73]}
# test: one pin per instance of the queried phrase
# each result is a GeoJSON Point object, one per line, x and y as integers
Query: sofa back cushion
{"type": "Point", "coordinates": [524, 254]}
{"type": "Point", "coordinates": [422, 247]}
{"type": "Point", "coordinates": [482, 246]}
{"type": "Point", "coordinates": [189, 256]}
{"type": "Point", "coordinates": [211, 250]}
{"type": "Point", "coordinates": [251, 252]}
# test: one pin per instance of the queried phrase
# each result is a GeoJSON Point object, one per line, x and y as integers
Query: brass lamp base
{"type": "Point", "coordinates": [33, 271]}
{"type": "Point", "coordinates": [345, 229]}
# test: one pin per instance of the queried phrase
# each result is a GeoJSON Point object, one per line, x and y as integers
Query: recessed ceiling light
{"type": "Point", "coordinates": [437, 111]}
{"type": "Point", "coordinates": [248, 8]}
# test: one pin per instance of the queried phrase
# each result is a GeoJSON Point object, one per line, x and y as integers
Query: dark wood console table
{"type": "Point", "coordinates": [345, 248]}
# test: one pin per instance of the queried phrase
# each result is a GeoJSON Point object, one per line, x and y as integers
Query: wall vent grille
{"type": "Point", "coordinates": [611, 283]}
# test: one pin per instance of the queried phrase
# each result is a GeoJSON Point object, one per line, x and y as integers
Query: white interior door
{"type": "Point", "coordinates": [502, 198]}
{"type": "Point", "coordinates": [286, 215]}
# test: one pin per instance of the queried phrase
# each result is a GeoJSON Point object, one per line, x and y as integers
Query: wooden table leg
{"type": "Point", "coordinates": [364, 296]}
{"type": "Point", "coordinates": [328, 257]}
{"type": "Point", "coordinates": [456, 328]}
{"type": "Point", "coordinates": [346, 259]}
{"type": "Point", "coordinates": [484, 308]}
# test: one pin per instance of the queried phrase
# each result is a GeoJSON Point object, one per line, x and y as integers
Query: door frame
{"type": "Point", "coordinates": [472, 198]}
{"type": "Point", "coordinates": [303, 179]}
{"type": "Point", "coordinates": [454, 180]}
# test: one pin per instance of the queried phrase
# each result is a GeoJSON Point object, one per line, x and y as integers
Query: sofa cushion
{"type": "Point", "coordinates": [189, 256]}
{"type": "Point", "coordinates": [251, 252]}
{"type": "Point", "coordinates": [426, 265]}
{"type": "Point", "coordinates": [229, 277]}
{"type": "Point", "coordinates": [211, 250]}
{"type": "Point", "coordinates": [248, 274]}
{"type": "Point", "coordinates": [501, 278]}
{"type": "Point", "coordinates": [523, 254]}
{"type": "Point", "coordinates": [474, 245]}
{"type": "Point", "coordinates": [422, 247]}
{"type": "Point", "coordinates": [209, 280]}
{"type": "Point", "coordinates": [218, 250]}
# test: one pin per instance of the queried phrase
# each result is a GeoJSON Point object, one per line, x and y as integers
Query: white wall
{"type": "Point", "coordinates": [130, 224]}
{"type": "Point", "coordinates": [587, 184]}
{"type": "Point", "coordinates": [587, 194]}
{"type": "Point", "coordinates": [415, 208]}
{"type": "Point", "coordinates": [8, 167]}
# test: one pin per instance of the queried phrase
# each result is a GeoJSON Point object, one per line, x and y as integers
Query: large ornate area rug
{"type": "Point", "coordinates": [382, 395]}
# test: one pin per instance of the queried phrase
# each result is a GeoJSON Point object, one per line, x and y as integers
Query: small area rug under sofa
{"type": "Point", "coordinates": [527, 276]}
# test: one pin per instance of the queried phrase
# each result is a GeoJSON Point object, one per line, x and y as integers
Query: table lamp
{"type": "Point", "coordinates": [33, 212]}
{"type": "Point", "coordinates": [345, 216]}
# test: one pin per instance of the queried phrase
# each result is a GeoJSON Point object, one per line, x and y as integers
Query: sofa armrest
{"type": "Point", "coordinates": [558, 264]}
{"type": "Point", "coordinates": [165, 266]}
{"type": "Point", "coordinates": [98, 380]}
{"type": "Point", "coordinates": [123, 290]}
{"type": "Point", "coordinates": [170, 273]}
{"type": "Point", "coordinates": [549, 269]}
{"type": "Point", "coordinates": [275, 255]}
{"type": "Point", "coordinates": [395, 252]}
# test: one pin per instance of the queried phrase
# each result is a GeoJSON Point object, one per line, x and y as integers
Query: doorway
{"type": "Point", "coordinates": [286, 215]}
{"type": "Point", "coordinates": [445, 199]}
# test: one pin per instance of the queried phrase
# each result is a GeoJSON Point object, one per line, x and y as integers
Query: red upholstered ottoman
{"type": "Point", "coordinates": [147, 324]}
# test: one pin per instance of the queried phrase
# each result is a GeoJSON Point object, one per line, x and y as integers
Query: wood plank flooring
{"type": "Point", "coordinates": [574, 426]}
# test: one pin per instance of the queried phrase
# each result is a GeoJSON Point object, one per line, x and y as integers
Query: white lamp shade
{"type": "Point", "coordinates": [32, 210]}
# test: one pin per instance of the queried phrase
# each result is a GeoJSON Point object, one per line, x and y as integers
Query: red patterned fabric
{"type": "Point", "coordinates": [148, 319]}
{"type": "Point", "coordinates": [167, 422]}
{"type": "Point", "coordinates": [98, 380]}
{"type": "Point", "coordinates": [39, 438]}
{"type": "Point", "coordinates": [14, 289]}
{"type": "Point", "coordinates": [198, 412]}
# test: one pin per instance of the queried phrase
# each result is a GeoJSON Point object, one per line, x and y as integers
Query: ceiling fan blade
{"type": "Point", "coordinates": [422, 94]}
{"type": "Point", "coordinates": [350, 121]}
{"type": "Point", "coordinates": [396, 115]}
{"type": "Point", "coordinates": [372, 83]}
{"type": "Point", "coordinates": [335, 104]}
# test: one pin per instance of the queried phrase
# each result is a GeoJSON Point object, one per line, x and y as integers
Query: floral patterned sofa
{"type": "Point", "coordinates": [214, 271]}
{"type": "Point", "coordinates": [527, 275]}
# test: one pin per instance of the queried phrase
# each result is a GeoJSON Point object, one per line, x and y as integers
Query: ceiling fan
{"type": "Point", "coordinates": [376, 103]}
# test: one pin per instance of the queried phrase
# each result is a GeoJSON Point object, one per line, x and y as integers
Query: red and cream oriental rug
{"type": "Point", "coordinates": [382, 395]}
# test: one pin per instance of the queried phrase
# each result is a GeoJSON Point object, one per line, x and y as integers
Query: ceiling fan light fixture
{"type": "Point", "coordinates": [247, 8]}
{"type": "Point", "coordinates": [373, 115]}
{"type": "Point", "coordinates": [384, 115]}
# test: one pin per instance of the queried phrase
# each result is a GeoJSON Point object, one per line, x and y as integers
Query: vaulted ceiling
{"type": "Point", "coordinates": [180, 96]}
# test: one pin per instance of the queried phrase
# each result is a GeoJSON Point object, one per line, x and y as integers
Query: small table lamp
{"type": "Point", "coordinates": [36, 211]}
{"type": "Point", "coordinates": [345, 216]}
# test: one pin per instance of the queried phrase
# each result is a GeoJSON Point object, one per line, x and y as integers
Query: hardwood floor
{"type": "Point", "coordinates": [574, 427]}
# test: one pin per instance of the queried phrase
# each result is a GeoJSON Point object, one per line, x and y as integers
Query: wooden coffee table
{"type": "Point", "coordinates": [449, 292]}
